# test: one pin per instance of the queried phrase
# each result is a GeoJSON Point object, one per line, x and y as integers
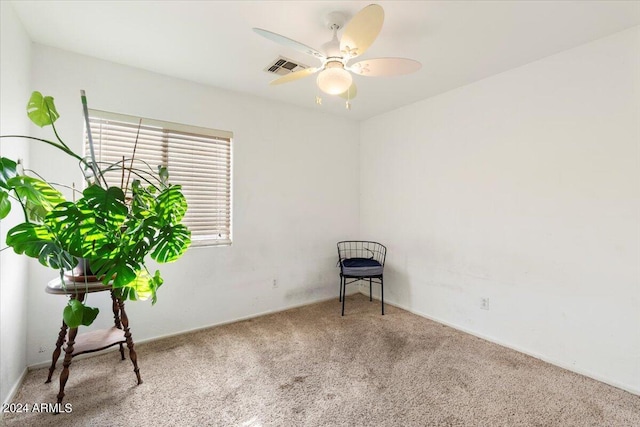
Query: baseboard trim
{"type": "Point", "coordinates": [14, 389]}
{"type": "Point", "coordinates": [528, 352]}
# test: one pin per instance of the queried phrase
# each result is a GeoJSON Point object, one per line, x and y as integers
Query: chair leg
{"type": "Point", "coordinates": [382, 293]}
{"type": "Point", "coordinates": [370, 291]}
{"type": "Point", "coordinates": [344, 291]}
{"type": "Point", "coordinates": [340, 297]}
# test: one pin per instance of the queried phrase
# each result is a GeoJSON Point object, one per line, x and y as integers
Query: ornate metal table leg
{"type": "Point", "coordinates": [56, 352]}
{"type": "Point", "coordinates": [127, 334]}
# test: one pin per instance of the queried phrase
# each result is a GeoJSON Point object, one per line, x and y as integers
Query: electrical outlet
{"type": "Point", "coordinates": [484, 303]}
{"type": "Point", "coordinates": [41, 349]}
{"type": "Point", "coordinates": [275, 283]}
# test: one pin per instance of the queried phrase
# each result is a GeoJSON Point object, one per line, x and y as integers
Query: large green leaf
{"type": "Point", "coordinates": [125, 272]}
{"type": "Point", "coordinates": [144, 286]}
{"type": "Point", "coordinates": [140, 236]}
{"type": "Point", "coordinates": [7, 171]}
{"type": "Point", "coordinates": [107, 205]}
{"type": "Point", "coordinates": [121, 268]}
{"type": "Point", "coordinates": [36, 241]}
{"type": "Point", "coordinates": [28, 238]}
{"type": "Point", "coordinates": [172, 242]}
{"type": "Point", "coordinates": [72, 313]}
{"type": "Point", "coordinates": [53, 255]}
{"type": "Point", "coordinates": [143, 204]}
{"type": "Point", "coordinates": [5, 204]}
{"type": "Point", "coordinates": [89, 314]}
{"type": "Point", "coordinates": [171, 205]}
{"type": "Point", "coordinates": [158, 281]}
{"type": "Point", "coordinates": [76, 229]}
{"type": "Point", "coordinates": [38, 196]}
{"type": "Point", "coordinates": [41, 109]}
{"type": "Point", "coordinates": [91, 227]}
{"type": "Point", "coordinates": [76, 314]}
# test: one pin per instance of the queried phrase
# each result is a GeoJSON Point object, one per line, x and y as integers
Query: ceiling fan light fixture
{"type": "Point", "coordinates": [334, 79]}
{"type": "Point", "coordinates": [335, 73]}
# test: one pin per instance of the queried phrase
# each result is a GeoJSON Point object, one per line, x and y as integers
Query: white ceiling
{"type": "Point", "coordinates": [211, 42]}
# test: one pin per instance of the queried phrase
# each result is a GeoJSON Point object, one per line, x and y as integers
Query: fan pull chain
{"type": "Point", "coordinates": [318, 99]}
{"type": "Point", "coordinates": [348, 104]}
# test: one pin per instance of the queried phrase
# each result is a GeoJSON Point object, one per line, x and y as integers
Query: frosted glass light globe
{"type": "Point", "coordinates": [334, 80]}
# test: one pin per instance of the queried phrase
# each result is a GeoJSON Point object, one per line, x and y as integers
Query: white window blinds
{"type": "Point", "coordinates": [198, 159]}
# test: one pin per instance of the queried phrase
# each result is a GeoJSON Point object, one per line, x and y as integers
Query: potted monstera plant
{"type": "Point", "coordinates": [112, 228]}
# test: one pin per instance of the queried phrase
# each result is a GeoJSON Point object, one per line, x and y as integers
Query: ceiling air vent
{"type": "Point", "coordinates": [283, 66]}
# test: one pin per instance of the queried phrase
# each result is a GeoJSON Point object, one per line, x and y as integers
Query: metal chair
{"type": "Point", "coordinates": [360, 260]}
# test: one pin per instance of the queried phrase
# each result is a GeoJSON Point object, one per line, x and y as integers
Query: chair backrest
{"type": "Point", "coordinates": [362, 249]}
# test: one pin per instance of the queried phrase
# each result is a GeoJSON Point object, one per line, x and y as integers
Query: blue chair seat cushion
{"type": "Point", "coordinates": [361, 267]}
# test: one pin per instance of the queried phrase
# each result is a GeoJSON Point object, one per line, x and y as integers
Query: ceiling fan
{"type": "Point", "coordinates": [335, 73]}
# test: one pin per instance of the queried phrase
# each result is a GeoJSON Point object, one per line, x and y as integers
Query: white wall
{"type": "Point", "coordinates": [522, 188]}
{"type": "Point", "coordinates": [15, 54]}
{"type": "Point", "coordinates": [295, 193]}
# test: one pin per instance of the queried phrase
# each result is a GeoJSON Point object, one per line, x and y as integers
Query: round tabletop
{"type": "Point", "coordinates": [73, 287]}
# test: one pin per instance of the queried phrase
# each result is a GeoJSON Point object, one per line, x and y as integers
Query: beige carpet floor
{"type": "Point", "coordinates": [310, 367]}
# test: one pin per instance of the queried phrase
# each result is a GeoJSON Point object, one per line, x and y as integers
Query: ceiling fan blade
{"type": "Point", "coordinates": [349, 93]}
{"type": "Point", "coordinates": [294, 76]}
{"type": "Point", "coordinates": [285, 41]}
{"type": "Point", "coordinates": [362, 31]}
{"type": "Point", "coordinates": [385, 67]}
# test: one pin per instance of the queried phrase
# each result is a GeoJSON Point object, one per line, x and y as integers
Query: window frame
{"type": "Point", "coordinates": [222, 135]}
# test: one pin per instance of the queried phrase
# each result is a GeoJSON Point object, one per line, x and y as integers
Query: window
{"type": "Point", "coordinates": [198, 159]}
